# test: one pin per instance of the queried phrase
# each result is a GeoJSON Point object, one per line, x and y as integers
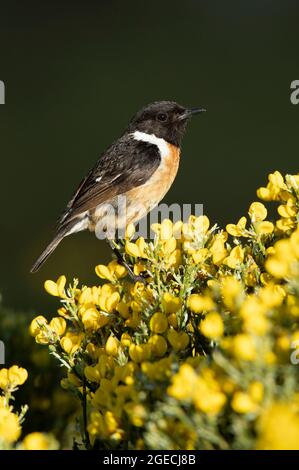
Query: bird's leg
{"type": "Point", "coordinates": [114, 247]}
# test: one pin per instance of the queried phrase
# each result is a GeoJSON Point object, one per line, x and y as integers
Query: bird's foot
{"type": "Point", "coordinates": [142, 277]}
{"type": "Point", "coordinates": [132, 275]}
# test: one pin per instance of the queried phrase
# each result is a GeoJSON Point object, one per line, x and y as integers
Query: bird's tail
{"type": "Point", "coordinates": [71, 226]}
{"type": "Point", "coordinates": [47, 252]}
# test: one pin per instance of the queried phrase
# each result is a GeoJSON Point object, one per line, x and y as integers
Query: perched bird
{"type": "Point", "coordinates": [141, 165]}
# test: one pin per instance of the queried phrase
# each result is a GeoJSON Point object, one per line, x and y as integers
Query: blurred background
{"type": "Point", "coordinates": [75, 73]}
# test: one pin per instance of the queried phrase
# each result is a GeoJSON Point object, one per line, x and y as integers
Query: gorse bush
{"type": "Point", "coordinates": [50, 408]}
{"type": "Point", "coordinates": [202, 355]}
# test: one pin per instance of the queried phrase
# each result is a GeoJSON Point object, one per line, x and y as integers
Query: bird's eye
{"type": "Point", "coordinates": [162, 117]}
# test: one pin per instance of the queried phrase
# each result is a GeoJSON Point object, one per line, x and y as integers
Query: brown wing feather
{"type": "Point", "coordinates": [125, 165]}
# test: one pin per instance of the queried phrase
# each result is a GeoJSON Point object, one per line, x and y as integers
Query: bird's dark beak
{"type": "Point", "coordinates": [189, 112]}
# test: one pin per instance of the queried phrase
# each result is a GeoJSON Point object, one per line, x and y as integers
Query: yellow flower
{"type": "Point", "coordinates": [256, 391]}
{"type": "Point", "coordinates": [200, 255]}
{"type": "Point", "coordinates": [170, 303]}
{"type": "Point", "coordinates": [112, 272]}
{"type": "Point", "coordinates": [139, 352]}
{"type": "Point", "coordinates": [264, 228]}
{"type": "Point", "coordinates": [39, 441]}
{"type": "Point", "coordinates": [278, 428]}
{"type": "Point", "coordinates": [287, 210]}
{"type": "Point", "coordinates": [272, 295]}
{"type": "Point", "coordinates": [235, 257]}
{"type": "Point", "coordinates": [12, 377]}
{"type": "Point", "coordinates": [238, 230]}
{"type": "Point", "coordinates": [166, 229]}
{"type": "Point", "coordinates": [158, 345]}
{"type": "Point", "coordinates": [285, 225]}
{"type": "Point", "coordinates": [10, 429]}
{"type": "Point", "coordinates": [125, 340]}
{"type": "Point", "coordinates": [177, 229]}
{"type": "Point", "coordinates": [136, 250]}
{"type": "Point", "coordinates": [270, 358]}
{"type": "Point", "coordinates": [172, 320]}
{"type": "Point", "coordinates": [274, 189]}
{"type": "Point", "coordinates": [94, 320]}
{"type": "Point", "coordinates": [208, 396]}
{"type": "Point", "coordinates": [132, 249]}
{"type": "Point", "coordinates": [37, 325]}
{"type": "Point", "coordinates": [89, 295]}
{"type": "Point", "coordinates": [17, 375]}
{"type": "Point", "coordinates": [283, 343]}
{"type": "Point", "coordinates": [256, 324]}
{"type": "Point", "coordinates": [208, 400]}
{"type": "Point", "coordinates": [123, 309]}
{"type": "Point", "coordinates": [40, 329]}
{"type": "Point", "coordinates": [264, 194]}
{"type": "Point", "coordinates": [202, 223]}
{"type": "Point", "coordinates": [104, 425]}
{"type": "Point", "coordinates": [58, 325]}
{"type": "Point", "coordinates": [70, 343]}
{"type": "Point", "coordinates": [257, 212]}
{"type": "Point", "coordinates": [158, 370]}
{"type": "Point", "coordinates": [103, 272]}
{"type": "Point", "coordinates": [293, 181]}
{"type": "Point", "coordinates": [56, 288]}
{"type": "Point", "coordinates": [130, 231]}
{"type": "Point", "coordinates": [158, 323]}
{"type": "Point", "coordinates": [173, 259]}
{"type": "Point", "coordinates": [231, 290]}
{"type": "Point", "coordinates": [243, 403]}
{"type": "Point", "coordinates": [136, 413]}
{"type": "Point", "coordinates": [200, 303]}
{"type": "Point", "coordinates": [4, 378]}
{"type": "Point", "coordinates": [95, 373]}
{"type": "Point", "coordinates": [212, 326]}
{"type": "Point", "coordinates": [111, 422]}
{"type": "Point", "coordinates": [112, 345]}
{"type": "Point", "coordinates": [276, 179]}
{"type": "Point", "coordinates": [269, 251]}
{"type": "Point", "coordinates": [218, 249]}
{"type": "Point", "coordinates": [109, 303]}
{"type": "Point", "coordinates": [244, 347]}
{"type": "Point", "coordinates": [293, 305]}
{"type": "Point", "coordinates": [252, 305]}
{"type": "Point", "coordinates": [183, 384]}
{"type": "Point", "coordinates": [179, 340]}
{"type": "Point", "coordinates": [283, 262]}
{"type": "Point", "coordinates": [117, 269]}
{"type": "Point", "coordinates": [277, 267]}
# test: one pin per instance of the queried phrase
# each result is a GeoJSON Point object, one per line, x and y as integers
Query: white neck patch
{"type": "Point", "coordinates": [152, 139]}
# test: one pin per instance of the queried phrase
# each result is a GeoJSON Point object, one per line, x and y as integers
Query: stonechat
{"type": "Point", "coordinates": [141, 165]}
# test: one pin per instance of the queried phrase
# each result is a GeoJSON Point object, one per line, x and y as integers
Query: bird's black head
{"type": "Point", "coordinates": [164, 119]}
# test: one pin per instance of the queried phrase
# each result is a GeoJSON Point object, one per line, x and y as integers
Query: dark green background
{"type": "Point", "coordinates": [76, 72]}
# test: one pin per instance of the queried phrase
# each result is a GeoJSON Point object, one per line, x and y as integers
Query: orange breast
{"type": "Point", "coordinates": [141, 200]}
{"type": "Point", "coordinates": [153, 191]}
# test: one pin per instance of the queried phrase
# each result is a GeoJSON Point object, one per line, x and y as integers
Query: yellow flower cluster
{"type": "Point", "coordinates": [208, 338]}
{"type": "Point", "coordinates": [11, 421]}
{"type": "Point", "coordinates": [11, 378]}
